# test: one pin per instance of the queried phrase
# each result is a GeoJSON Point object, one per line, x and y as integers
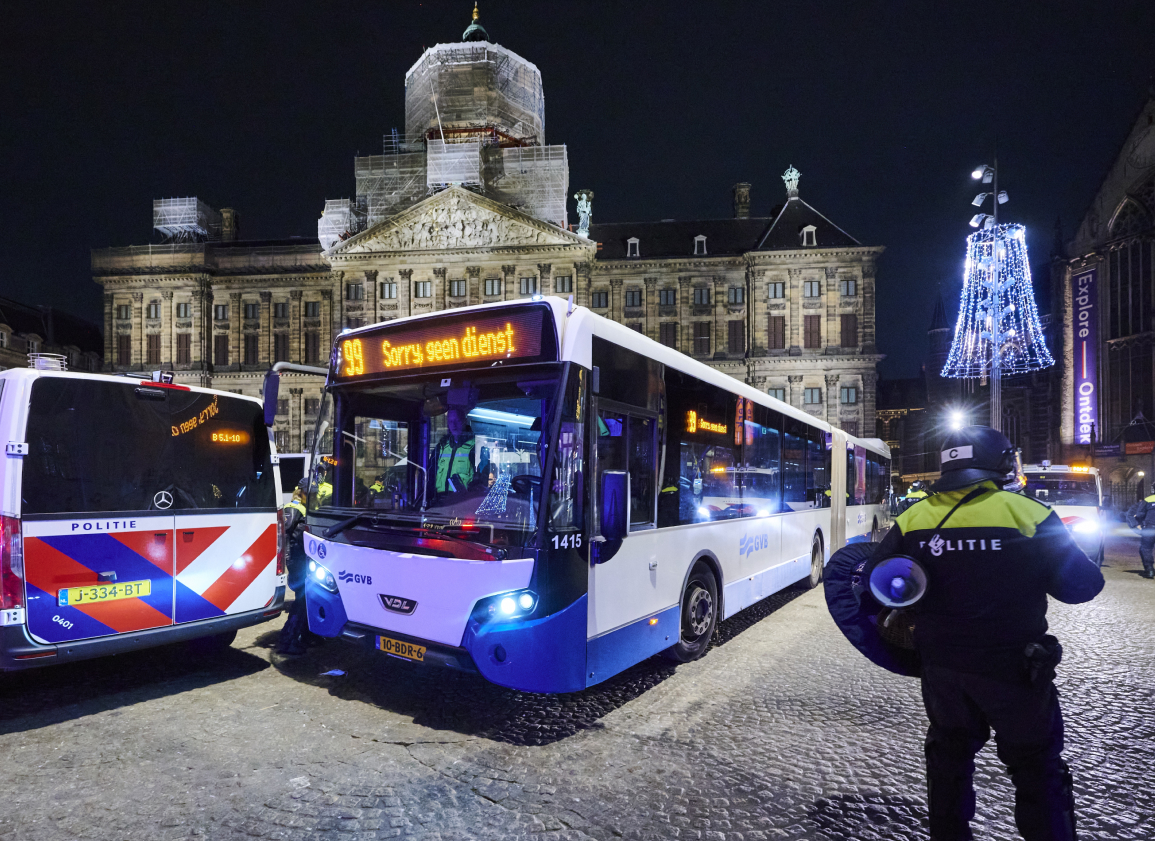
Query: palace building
{"type": "Point", "coordinates": [469, 205]}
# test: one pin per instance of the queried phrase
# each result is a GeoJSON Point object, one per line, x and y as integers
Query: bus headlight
{"type": "Point", "coordinates": [516, 605]}
{"type": "Point", "coordinates": [1085, 527]}
{"type": "Point", "coordinates": [322, 576]}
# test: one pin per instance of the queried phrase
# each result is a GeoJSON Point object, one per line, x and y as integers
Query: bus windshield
{"type": "Point", "coordinates": [449, 452]}
{"type": "Point", "coordinates": [1063, 488]}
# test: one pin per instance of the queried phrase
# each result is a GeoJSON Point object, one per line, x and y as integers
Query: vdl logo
{"type": "Point", "coordinates": [350, 578]}
{"type": "Point", "coordinates": [749, 544]}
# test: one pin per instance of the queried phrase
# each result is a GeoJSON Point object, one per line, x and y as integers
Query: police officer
{"type": "Point", "coordinates": [991, 558]}
{"type": "Point", "coordinates": [1141, 515]}
{"type": "Point", "coordinates": [292, 638]}
{"type": "Point", "coordinates": [454, 453]}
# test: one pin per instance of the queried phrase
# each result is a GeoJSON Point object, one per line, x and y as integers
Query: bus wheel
{"type": "Point", "coordinates": [699, 616]}
{"type": "Point", "coordinates": [815, 577]}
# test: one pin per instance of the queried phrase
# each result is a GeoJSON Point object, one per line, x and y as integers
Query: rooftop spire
{"type": "Point", "coordinates": [938, 318]}
{"type": "Point", "coordinates": [475, 31]}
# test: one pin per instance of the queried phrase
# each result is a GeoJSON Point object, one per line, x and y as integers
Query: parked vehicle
{"type": "Point", "coordinates": [1076, 494]}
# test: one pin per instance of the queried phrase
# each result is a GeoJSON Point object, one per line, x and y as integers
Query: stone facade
{"type": "Point", "coordinates": [25, 330]}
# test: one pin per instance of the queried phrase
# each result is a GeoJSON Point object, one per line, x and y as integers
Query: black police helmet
{"type": "Point", "coordinates": [974, 454]}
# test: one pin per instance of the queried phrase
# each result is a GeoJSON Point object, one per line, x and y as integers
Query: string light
{"type": "Point", "coordinates": [998, 308]}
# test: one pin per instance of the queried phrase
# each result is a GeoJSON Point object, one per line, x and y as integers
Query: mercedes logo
{"type": "Point", "coordinates": [163, 499]}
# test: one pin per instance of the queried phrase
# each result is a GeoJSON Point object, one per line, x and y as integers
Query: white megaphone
{"type": "Point", "coordinates": [898, 581]}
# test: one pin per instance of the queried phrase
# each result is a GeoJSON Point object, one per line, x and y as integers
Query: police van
{"type": "Point", "coordinates": [133, 512]}
{"type": "Point", "coordinates": [1076, 494]}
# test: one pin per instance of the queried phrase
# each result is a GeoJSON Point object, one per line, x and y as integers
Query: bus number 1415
{"type": "Point", "coordinates": [567, 541]}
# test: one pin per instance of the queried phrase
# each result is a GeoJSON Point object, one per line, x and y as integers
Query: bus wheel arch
{"type": "Point", "coordinates": [817, 562]}
{"type": "Point", "coordinates": [700, 609]}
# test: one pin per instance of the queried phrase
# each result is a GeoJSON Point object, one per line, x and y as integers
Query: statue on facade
{"type": "Point", "coordinates": [584, 211]}
{"type": "Point", "coordinates": [791, 177]}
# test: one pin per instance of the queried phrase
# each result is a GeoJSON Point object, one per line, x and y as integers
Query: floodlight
{"type": "Point", "coordinates": [979, 199]}
{"type": "Point", "coordinates": [978, 173]}
{"type": "Point", "coordinates": [1003, 197]}
{"type": "Point", "coordinates": [979, 218]}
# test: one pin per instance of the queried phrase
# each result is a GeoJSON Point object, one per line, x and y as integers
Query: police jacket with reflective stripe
{"type": "Point", "coordinates": [1144, 511]}
{"type": "Point", "coordinates": [990, 569]}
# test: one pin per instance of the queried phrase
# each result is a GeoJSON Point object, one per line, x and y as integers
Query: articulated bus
{"type": "Point", "coordinates": [536, 493]}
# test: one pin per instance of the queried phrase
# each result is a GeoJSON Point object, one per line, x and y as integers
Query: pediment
{"type": "Point", "coordinates": [457, 220]}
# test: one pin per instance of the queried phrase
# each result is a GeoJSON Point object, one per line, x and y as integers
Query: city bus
{"type": "Point", "coordinates": [539, 494]}
{"type": "Point", "coordinates": [134, 512]}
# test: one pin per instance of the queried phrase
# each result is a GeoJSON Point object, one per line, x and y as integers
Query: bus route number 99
{"type": "Point", "coordinates": [567, 541]}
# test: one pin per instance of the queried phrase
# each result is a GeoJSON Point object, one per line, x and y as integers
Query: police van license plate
{"type": "Point", "coordinates": [401, 649]}
{"type": "Point", "coordinates": [93, 594]}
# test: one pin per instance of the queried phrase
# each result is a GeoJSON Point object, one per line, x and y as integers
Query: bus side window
{"type": "Point", "coordinates": [643, 468]}
{"type": "Point", "coordinates": [565, 505]}
{"type": "Point", "coordinates": [762, 480]}
{"type": "Point", "coordinates": [794, 474]}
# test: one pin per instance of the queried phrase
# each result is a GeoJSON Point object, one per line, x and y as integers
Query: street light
{"type": "Point", "coordinates": [990, 175]}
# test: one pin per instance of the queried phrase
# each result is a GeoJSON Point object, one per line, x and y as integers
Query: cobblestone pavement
{"type": "Point", "coordinates": [781, 732]}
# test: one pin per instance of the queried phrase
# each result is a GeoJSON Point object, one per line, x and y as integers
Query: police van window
{"type": "Point", "coordinates": [761, 477]}
{"type": "Point", "coordinates": [101, 447]}
{"type": "Point", "coordinates": [1063, 488]}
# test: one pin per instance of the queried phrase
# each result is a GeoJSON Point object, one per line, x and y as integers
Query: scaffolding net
{"type": "Point", "coordinates": [473, 85]}
{"type": "Point", "coordinates": [388, 184]}
{"type": "Point", "coordinates": [453, 163]}
{"type": "Point", "coordinates": [341, 219]}
{"type": "Point", "coordinates": [186, 220]}
{"type": "Point", "coordinates": [534, 179]}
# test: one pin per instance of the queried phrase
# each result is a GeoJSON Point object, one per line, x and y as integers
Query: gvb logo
{"type": "Point", "coordinates": [350, 578]}
{"type": "Point", "coordinates": [749, 544]}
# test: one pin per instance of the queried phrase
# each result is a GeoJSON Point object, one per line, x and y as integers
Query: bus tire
{"type": "Point", "coordinates": [698, 616]}
{"type": "Point", "coordinates": [815, 577]}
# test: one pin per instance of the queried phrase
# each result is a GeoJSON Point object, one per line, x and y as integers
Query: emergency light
{"type": "Point", "coordinates": [897, 581]}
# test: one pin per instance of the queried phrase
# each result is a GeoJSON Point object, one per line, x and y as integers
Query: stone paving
{"type": "Point", "coordinates": [781, 732]}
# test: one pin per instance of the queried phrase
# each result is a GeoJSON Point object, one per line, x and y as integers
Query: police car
{"type": "Point", "coordinates": [1076, 494]}
{"type": "Point", "coordinates": [133, 512]}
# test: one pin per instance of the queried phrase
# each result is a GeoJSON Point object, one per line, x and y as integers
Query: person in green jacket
{"type": "Point", "coordinates": [453, 458]}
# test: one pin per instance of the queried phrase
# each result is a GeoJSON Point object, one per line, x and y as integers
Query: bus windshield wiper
{"type": "Point", "coordinates": [344, 524]}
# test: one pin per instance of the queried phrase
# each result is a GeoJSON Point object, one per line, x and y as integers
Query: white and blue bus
{"type": "Point", "coordinates": [539, 494]}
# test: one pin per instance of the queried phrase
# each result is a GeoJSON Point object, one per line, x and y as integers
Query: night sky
{"type": "Point", "coordinates": [885, 108]}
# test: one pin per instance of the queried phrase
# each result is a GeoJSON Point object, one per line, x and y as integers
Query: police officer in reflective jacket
{"type": "Point", "coordinates": [991, 557]}
{"type": "Point", "coordinates": [1141, 516]}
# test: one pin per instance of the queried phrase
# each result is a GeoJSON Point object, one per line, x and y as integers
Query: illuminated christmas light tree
{"type": "Point", "coordinates": [998, 330]}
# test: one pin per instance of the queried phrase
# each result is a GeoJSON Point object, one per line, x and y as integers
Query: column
{"type": "Point", "coordinates": [296, 419]}
{"type": "Point", "coordinates": [296, 329]}
{"type": "Point", "coordinates": [326, 331]}
{"type": "Point", "coordinates": [370, 302]}
{"type": "Point", "coordinates": [651, 328]}
{"type": "Point", "coordinates": [473, 293]}
{"type": "Point", "coordinates": [869, 402]}
{"type": "Point", "coordinates": [545, 278]}
{"type": "Point", "coordinates": [721, 328]}
{"type": "Point", "coordinates": [832, 399]}
{"type": "Point", "coordinates": [832, 335]}
{"type": "Point", "coordinates": [137, 329]}
{"type": "Point", "coordinates": [265, 344]}
{"type": "Point", "coordinates": [235, 324]}
{"type": "Point", "coordinates": [794, 322]}
{"type": "Point", "coordinates": [616, 312]}
{"type": "Point", "coordinates": [509, 275]}
{"type": "Point", "coordinates": [109, 334]}
{"type": "Point", "coordinates": [204, 342]}
{"type": "Point", "coordinates": [167, 356]}
{"type": "Point", "coordinates": [866, 324]}
{"type": "Point", "coordinates": [755, 339]}
{"type": "Point", "coordinates": [439, 287]}
{"type": "Point", "coordinates": [794, 394]}
{"type": "Point", "coordinates": [582, 284]}
{"type": "Point", "coordinates": [685, 320]}
{"type": "Point", "coordinates": [405, 293]}
{"type": "Point", "coordinates": [336, 304]}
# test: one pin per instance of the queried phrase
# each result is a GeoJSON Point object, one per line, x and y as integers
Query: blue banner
{"type": "Point", "coordinates": [1086, 325]}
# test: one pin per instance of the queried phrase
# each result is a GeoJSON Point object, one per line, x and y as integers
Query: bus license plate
{"type": "Point", "coordinates": [401, 649]}
{"type": "Point", "coordinates": [81, 596]}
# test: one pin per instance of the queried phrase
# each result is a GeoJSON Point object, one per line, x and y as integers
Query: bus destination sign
{"type": "Point", "coordinates": [443, 343]}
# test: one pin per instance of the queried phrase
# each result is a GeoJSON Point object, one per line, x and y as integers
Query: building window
{"type": "Point", "coordinates": [124, 312]}
{"type": "Point", "coordinates": [850, 330]}
{"type": "Point", "coordinates": [3, 339]}
{"type": "Point", "coordinates": [848, 394]}
{"type": "Point", "coordinates": [312, 347]}
{"type": "Point", "coordinates": [308, 440]}
{"type": "Point", "coordinates": [699, 246]}
{"type": "Point", "coordinates": [735, 336]}
{"type": "Point", "coordinates": [492, 286]}
{"type": "Point", "coordinates": [352, 322]}
{"type": "Point", "coordinates": [183, 348]}
{"type": "Point", "coordinates": [281, 440]}
{"type": "Point", "coordinates": [388, 289]}
{"type": "Point", "coordinates": [221, 312]}
{"type": "Point", "coordinates": [701, 338]}
{"type": "Point", "coordinates": [457, 289]}
{"type": "Point", "coordinates": [312, 309]}
{"type": "Point", "coordinates": [636, 326]}
{"type": "Point", "coordinates": [152, 348]}
{"type": "Point", "coordinates": [252, 348]}
{"type": "Point", "coordinates": [777, 289]}
{"type": "Point", "coordinates": [423, 289]}
{"type": "Point", "coordinates": [563, 285]}
{"type": "Point", "coordinates": [668, 297]}
{"type": "Point", "coordinates": [252, 311]}
{"type": "Point", "coordinates": [33, 346]}
{"type": "Point", "coordinates": [632, 247]}
{"type": "Point", "coordinates": [808, 235]}
{"type": "Point", "coordinates": [154, 309]}
{"type": "Point", "coordinates": [354, 291]}
{"type": "Point", "coordinates": [812, 331]}
{"type": "Point", "coordinates": [849, 288]}
{"type": "Point", "coordinates": [529, 286]}
{"type": "Point", "coordinates": [850, 427]}
{"type": "Point", "coordinates": [221, 350]}
{"type": "Point", "coordinates": [183, 311]}
{"type": "Point", "coordinates": [777, 393]}
{"type": "Point", "coordinates": [736, 295]}
{"type": "Point", "coordinates": [776, 336]}
{"type": "Point", "coordinates": [633, 297]}
{"type": "Point", "coordinates": [283, 407]}
{"type": "Point", "coordinates": [668, 334]}
{"type": "Point", "coordinates": [281, 347]}
{"type": "Point", "coordinates": [600, 300]}
{"type": "Point", "coordinates": [812, 289]}
{"type": "Point", "coordinates": [702, 296]}
{"type": "Point", "coordinates": [312, 404]}
{"type": "Point", "coordinates": [281, 310]}
{"type": "Point", "coordinates": [124, 349]}
{"type": "Point", "coordinates": [812, 396]}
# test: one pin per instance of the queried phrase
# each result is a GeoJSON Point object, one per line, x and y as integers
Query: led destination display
{"type": "Point", "coordinates": [450, 342]}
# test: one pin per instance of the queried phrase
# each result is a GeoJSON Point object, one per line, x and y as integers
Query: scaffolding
{"type": "Point", "coordinates": [453, 163]}
{"type": "Point", "coordinates": [186, 220]}
{"type": "Point", "coordinates": [534, 179]}
{"type": "Point", "coordinates": [388, 184]}
{"type": "Point", "coordinates": [341, 219]}
{"type": "Point", "coordinates": [473, 85]}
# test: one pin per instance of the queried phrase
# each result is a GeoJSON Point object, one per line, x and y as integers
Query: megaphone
{"type": "Point", "coordinates": [898, 581]}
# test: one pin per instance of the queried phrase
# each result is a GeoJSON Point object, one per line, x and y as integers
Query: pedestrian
{"type": "Point", "coordinates": [991, 558]}
{"type": "Point", "coordinates": [296, 627]}
{"type": "Point", "coordinates": [1141, 516]}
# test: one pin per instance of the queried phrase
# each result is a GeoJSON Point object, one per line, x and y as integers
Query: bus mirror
{"type": "Point", "coordinates": [269, 391]}
{"type": "Point", "coordinates": [615, 504]}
